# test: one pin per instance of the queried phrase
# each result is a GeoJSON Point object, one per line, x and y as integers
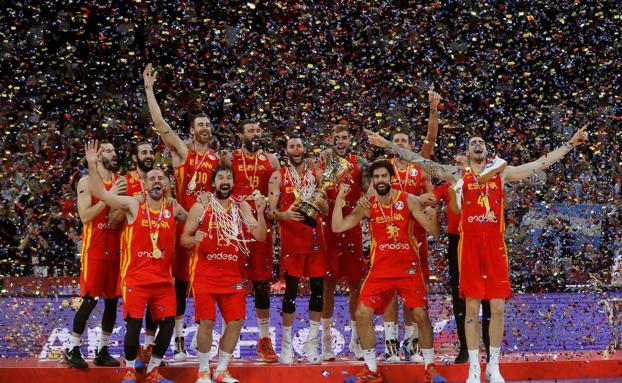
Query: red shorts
{"type": "Point", "coordinates": [160, 298]}
{"type": "Point", "coordinates": [422, 238]}
{"type": "Point", "coordinates": [181, 261]}
{"type": "Point", "coordinates": [483, 262]}
{"type": "Point", "coordinates": [345, 254]}
{"type": "Point", "coordinates": [99, 278]}
{"type": "Point", "coordinates": [232, 306]}
{"type": "Point", "coordinates": [378, 292]}
{"type": "Point", "coordinates": [259, 264]}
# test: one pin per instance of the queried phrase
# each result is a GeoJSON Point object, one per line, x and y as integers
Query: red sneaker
{"type": "Point", "coordinates": [130, 375]}
{"type": "Point", "coordinates": [432, 375]}
{"type": "Point", "coordinates": [155, 377]}
{"type": "Point", "coordinates": [365, 375]}
{"type": "Point", "coordinates": [266, 351]}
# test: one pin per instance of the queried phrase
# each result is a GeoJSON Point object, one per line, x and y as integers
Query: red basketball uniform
{"type": "Point", "coordinates": [215, 276]}
{"type": "Point", "coordinates": [135, 184]}
{"type": "Point", "coordinates": [99, 254]}
{"type": "Point", "coordinates": [441, 193]}
{"type": "Point", "coordinates": [192, 178]}
{"type": "Point", "coordinates": [482, 254]}
{"type": "Point", "coordinates": [395, 263]}
{"type": "Point", "coordinates": [345, 250]}
{"type": "Point", "coordinates": [303, 252]}
{"type": "Point", "coordinates": [253, 172]}
{"type": "Point", "coordinates": [410, 180]}
{"type": "Point", "coordinates": [145, 279]}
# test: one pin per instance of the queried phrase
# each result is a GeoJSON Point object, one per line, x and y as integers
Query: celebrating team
{"type": "Point", "coordinates": [152, 250]}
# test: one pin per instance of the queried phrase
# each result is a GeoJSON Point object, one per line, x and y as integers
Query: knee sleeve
{"type": "Point", "coordinates": [82, 315]}
{"type": "Point", "coordinates": [262, 294]}
{"type": "Point", "coordinates": [150, 325]}
{"type": "Point", "coordinates": [291, 291]}
{"type": "Point", "coordinates": [181, 288]}
{"type": "Point", "coordinates": [317, 294]}
{"type": "Point", "coordinates": [132, 337]}
{"type": "Point", "coordinates": [110, 314]}
{"type": "Point", "coordinates": [164, 336]}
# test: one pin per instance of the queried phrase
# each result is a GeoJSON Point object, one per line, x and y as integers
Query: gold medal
{"type": "Point", "coordinates": [193, 182]}
{"type": "Point", "coordinates": [157, 253]}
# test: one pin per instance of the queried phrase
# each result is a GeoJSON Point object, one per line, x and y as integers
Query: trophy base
{"type": "Point", "coordinates": [310, 214]}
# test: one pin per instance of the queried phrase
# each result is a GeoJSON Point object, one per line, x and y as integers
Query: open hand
{"type": "Point", "coordinates": [376, 139]}
{"type": "Point", "coordinates": [90, 150]}
{"type": "Point", "coordinates": [149, 76]}
{"type": "Point", "coordinates": [580, 137]}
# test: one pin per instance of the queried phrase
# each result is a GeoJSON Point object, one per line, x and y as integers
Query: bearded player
{"type": "Point", "coordinates": [193, 169]}
{"type": "Point", "coordinates": [395, 264]}
{"type": "Point", "coordinates": [303, 252]}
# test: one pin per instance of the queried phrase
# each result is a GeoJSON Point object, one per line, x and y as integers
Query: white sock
{"type": "Point", "coordinates": [130, 363]}
{"type": "Point", "coordinates": [149, 339]}
{"type": "Point", "coordinates": [314, 329]}
{"type": "Point", "coordinates": [326, 326]}
{"type": "Point", "coordinates": [474, 358]}
{"type": "Point", "coordinates": [287, 335]}
{"type": "Point", "coordinates": [408, 331]}
{"type": "Point", "coordinates": [264, 327]}
{"type": "Point", "coordinates": [355, 334]}
{"type": "Point", "coordinates": [153, 363]}
{"type": "Point", "coordinates": [74, 341]}
{"type": "Point", "coordinates": [494, 355]}
{"type": "Point", "coordinates": [104, 340]}
{"type": "Point", "coordinates": [223, 361]}
{"type": "Point", "coordinates": [179, 328]}
{"type": "Point", "coordinates": [428, 356]}
{"type": "Point", "coordinates": [203, 361]}
{"type": "Point", "coordinates": [415, 331]}
{"type": "Point", "coordinates": [396, 332]}
{"type": "Point", "coordinates": [370, 359]}
{"type": "Point", "coordinates": [389, 330]}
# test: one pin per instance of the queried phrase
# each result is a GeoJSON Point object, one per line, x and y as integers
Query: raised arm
{"type": "Point", "coordinates": [517, 173]}
{"type": "Point", "coordinates": [427, 221]}
{"type": "Point", "coordinates": [430, 140]}
{"type": "Point", "coordinates": [181, 215]}
{"type": "Point", "coordinates": [446, 173]}
{"type": "Point", "coordinates": [96, 185]}
{"type": "Point", "coordinates": [257, 226]}
{"type": "Point", "coordinates": [191, 236]}
{"type": "Point", "coordinates": [339, 223]}
{"type": "Point", "coordinates": [173, 142]}
{"type": "Point", "coordinates": [86, 210]}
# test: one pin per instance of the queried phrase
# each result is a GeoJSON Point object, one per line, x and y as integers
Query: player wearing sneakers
{"type": "Point", "coordinates": [100, 259]}
{"type": "Point", "coordinates": [146, 279]}
{"type": "Point", "coordinates": [395, 264]}
{"type": "Point", "coordinates": [214, 230]}
{"type": "Point", "coordinates": [253, 168]}
{"type": "Point", "coordinates": [303, 253]}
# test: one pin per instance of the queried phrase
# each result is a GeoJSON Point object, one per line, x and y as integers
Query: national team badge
{"type": "Point", "coordinates": [166, 213]}
{"type": "Point", "coordinates": [413, 172]}
{"type": "Point", "coordinates": [262, 157]}
{"type": "Point", "coordinates": [399, 205]}
{"type": "Point", "coordinates": [211, 156]}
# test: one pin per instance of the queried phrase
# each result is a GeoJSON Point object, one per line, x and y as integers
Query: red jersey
{"type": "Point", "coordinates": [139, 267]}
{"type": "Point", "coordinates": [353, 178]}
{"type": "Point", "coordinates": [441, 193]}
{"type": "Point", "coordinates": [135, 184]}
{"type": "Point", "coordinates": [215, 263]}
{"type": "Point", "coordinates": [296, 237]}
{"type": "Point", "coordinates": [196, 170]}
{"type": "Point", "coordinates": [99, 241]}
{"type": "Point", "coordinates": [409, 180]}
{"type": "Point", "coordinates": [394, 251]}
{"type": "Point", "coordinates": [251, 173]}
{"type": "Point", "coordinates": [477, 200]}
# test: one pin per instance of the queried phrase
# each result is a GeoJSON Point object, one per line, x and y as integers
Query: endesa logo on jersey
{"type": "Point", "coordinates": [103, 226]}
{"type": "Point", "coordinates": [222, 257]}
{"type": "Point", "coordinates": [482, 219]}
{"type": "Point", "coordinates": [394, 246]}
{"type": "Point", "coordinates": [145, 253]}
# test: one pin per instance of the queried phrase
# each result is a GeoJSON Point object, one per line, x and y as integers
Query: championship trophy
{"type": "Point", "coordinates": [335, 168]}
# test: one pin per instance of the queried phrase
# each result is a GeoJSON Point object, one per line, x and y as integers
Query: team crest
{"type": "Point", "coordinates": [166, 213]}
{"type": "Point", "coordinates": [211, 156]}
{"type": "Point", "coordinates": [262, 157]}
{"type": "Point", "coordinates": [413, 172]}
{"type": "Point", "coordinates": [399, 205]}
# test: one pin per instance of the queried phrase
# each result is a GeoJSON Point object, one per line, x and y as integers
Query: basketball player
{"type": "Point", "coordinates": [252, 169]}
{"type": "Point", "coordinates": [146, 279]}
{"type": "Point", "coordinates": [99, 257]}
{"type": "Point", "coordinates": [303, 252]}
{"type": "Point", "coordinates": [479, 197]}
{"type": "Point", "coordinates": [344, 250]}
{"type": "Point", "coordinates": [395, 264]}
{"type": "Point", "coordinates": [212, 232]}
{"type": "Point", "coordinates": [193, 169]}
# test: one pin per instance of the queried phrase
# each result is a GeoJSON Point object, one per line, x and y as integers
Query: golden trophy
{"type": "Point", "coordinates": [335, 168]}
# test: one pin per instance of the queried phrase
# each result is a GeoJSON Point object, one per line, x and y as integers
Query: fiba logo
{"type": "Point", "coordinates": [222, 257]}
{"type": "Point", "coordinates": [394, 246]}
{"type": "Point", "coordinates": [482, 219]}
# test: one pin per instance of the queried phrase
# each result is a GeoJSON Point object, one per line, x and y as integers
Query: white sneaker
{"type": "Point", "coordinates": [224, 377]}
{"type": "Point", "coordinates": [493, 374]}
{"type": "Point", "coordinates": [179, 353]}
{"type": "Point", "coordinates": [194, 346]}
{"type": "Point", "coordinates": [204, 377]}
{"type": "Point", "coordinates": [474, 374]}
{"type": "Point", "coordinates": [355, 348]}
{"type": "Point", "coordinates": [287, 353]}
{"type": "Point", "coordinates": [391, 353]}
{"type": "Point", "coordinates": [327, 348]}
{"type": "Point", "coordinates": [311, 346]}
